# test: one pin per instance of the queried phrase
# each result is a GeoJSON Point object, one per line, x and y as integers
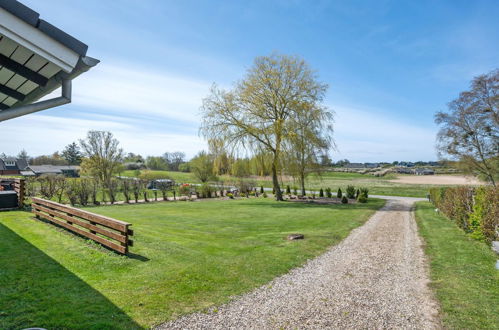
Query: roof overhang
{"type": "Point", "coordinates": [36, 58]}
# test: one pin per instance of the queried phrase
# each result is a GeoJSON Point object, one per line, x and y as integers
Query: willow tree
{"type": "Point", "coordinates": [259, 112]}
{"type": "Point", "coordinates": [310, 139]}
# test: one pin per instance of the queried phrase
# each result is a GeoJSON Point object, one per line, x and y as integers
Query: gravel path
{"type": "Point", "coordinates": [375, 278]}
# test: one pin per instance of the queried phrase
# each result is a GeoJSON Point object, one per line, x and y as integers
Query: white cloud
{"type": "Point", "coordinates": [133, 91]}
{"type": "Point", "coordinates": [369, 136]}
{"type": "Point", "coordinates": [139, 106]}
{"type": "Point", "coordinates": [41, 134]}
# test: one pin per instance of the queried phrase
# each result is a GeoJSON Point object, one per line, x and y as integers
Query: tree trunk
{"type": "Point", "coordinates": [302, 181]}
{"type": "Point", "coordinates": [275, 181]}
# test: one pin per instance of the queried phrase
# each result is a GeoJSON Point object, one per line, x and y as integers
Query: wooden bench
{"type": "Point", "coordinates": [109, 232]}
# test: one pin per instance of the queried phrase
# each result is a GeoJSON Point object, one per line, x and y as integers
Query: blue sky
{"type": "Point", "coordinates": [390, 66]}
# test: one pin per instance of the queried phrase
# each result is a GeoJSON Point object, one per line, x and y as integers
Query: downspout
{"type": "Point", "coordinates": [22, 110]}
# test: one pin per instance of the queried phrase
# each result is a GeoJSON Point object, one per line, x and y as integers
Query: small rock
{"type": "Point", "coordinates": [292, 237]}
{"type": "Point", "coordinates": [495, 246]}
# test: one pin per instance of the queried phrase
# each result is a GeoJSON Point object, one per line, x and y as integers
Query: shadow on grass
{"type": "Point", "coordinates": [36, 291]}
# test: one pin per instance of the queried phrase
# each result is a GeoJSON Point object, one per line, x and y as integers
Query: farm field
{"type": "Point", "coordinates": [389, 185]}
{"type": "Point", "coordinates": [187, 257]}
{"type": "Point", "coordinates": [437, 180]}
{"type": "Point", "coordinates": [462, 272]}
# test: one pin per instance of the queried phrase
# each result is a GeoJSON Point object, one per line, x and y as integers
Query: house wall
{"type": "Point", "coordinates": [9, 172]}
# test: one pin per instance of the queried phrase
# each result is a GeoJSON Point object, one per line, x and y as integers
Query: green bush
{"type": "Point", "coordinates": [475, 210]}
{"type": "Point", "coordinates": [184, 190]}
{"type": "Point", "coordinates": [357, 194]}
{"type": "Point", "coordinates": [350, 192]}
{"type": "Point", "coordinates": [288, 190]}
{"type": "Point", "coordinates": [185, 167]}
{"type": "Point", "coordinates": [339, 194]}
{"type": "Point", "coordinates": [328, 193]}
{"type": "Point", "coordinates": [362, 199]}
{"type": "Point", "coordinates": [295, 190]}
{"type": "Point", "coordinates": [321, 193]}
{"type": "Point", "coordinates": [484, 220]}
{"type": "Point", "coordinates": [261, 190]}
{"type": "Point", "coordinates": [230, 195]}
{"type": "Point", "coordinates": [206, 190]}
{"type": "Point", "coordinates": [364, 192]}
{"type": "Point", "coordinates": [344, 200]}
{"type": "Point", "coordinates": [265, 195]}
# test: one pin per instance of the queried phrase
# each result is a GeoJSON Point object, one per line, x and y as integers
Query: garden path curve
{"type": "Point", "coordinates": [376, 278]}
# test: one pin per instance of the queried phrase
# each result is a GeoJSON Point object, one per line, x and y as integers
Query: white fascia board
{"type": "Point", "coordinates": [37, 41]}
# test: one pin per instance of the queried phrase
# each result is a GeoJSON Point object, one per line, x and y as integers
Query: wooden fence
{"type": "Point", "coordinates": [109, 232]}
{"type": "Point", "coordinates": [19, 187]}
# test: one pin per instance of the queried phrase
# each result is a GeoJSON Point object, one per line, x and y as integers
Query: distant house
{"type": "Point", "coordinates": [12, 166]}
{"type": "Point", "coordinates": [404, 170]}
{"type": "Point", "coordinates": [424, 171]}
{"type": "Point", "coordinates": [355, 165]}
{"type": "Point", "coordinates": [66, 170]}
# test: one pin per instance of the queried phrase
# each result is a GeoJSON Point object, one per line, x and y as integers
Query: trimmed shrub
{"type": "Point", "coordinates": [265, 195]}
{"type": "Point", "coordinates": [350, 192]}
{"type": "Point", "coordinates": [295, 190]}
{"type": "Point", "coordinates": [230, 195]}
{"type": "Point", "coordinates": [364, 192]}
{"type": "Point", "coordinates": [362, 199]}
{"type": "Point", "coordinates": [328, 193]}
{"type": "Point", "coordinates": [261, 190]}
{"type": "Point", "coordinates": [344, 200]}
{"type": "Point", "coordinates": [321, 193]}
{"type": "Point", "coordinates": [339, 194]}
{"type": "Point", "coordinates": [288, 190]}
{"type": "Point", "coordinates": [475, 210]}
{"type": "Point", "coordinates": [357, 193]}
{"type": "Point", "coordinates": [206, 190]}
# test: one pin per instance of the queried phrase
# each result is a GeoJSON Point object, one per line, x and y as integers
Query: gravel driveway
{"type": "Point", "coordinates": [375, 278]}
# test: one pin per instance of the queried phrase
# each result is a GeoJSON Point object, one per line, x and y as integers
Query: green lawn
{"type": "Point", "coordinates": [333, 180]}
{"type": "Point", "coordinates": [462, 271]}
{"type": "Point", "coordinates": [179, 177]}
{"type": "Point", "coordinates": [187, 256]}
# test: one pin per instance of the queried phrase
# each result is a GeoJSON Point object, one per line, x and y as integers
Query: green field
{"type": "Point", "coordinates": [187, 256]}
{"type": "Point", "coordinates": [333, 180]}
{"type": "Point", "coordinates": [462, 272]}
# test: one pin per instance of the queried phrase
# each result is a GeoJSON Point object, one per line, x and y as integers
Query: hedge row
{"type": "Point", "coordinates": [475, 210]}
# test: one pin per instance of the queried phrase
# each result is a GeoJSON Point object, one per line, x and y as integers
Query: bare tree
{"type": "Point", "coordinates": [258, 114]}
{"type": "Point", "coordinates": [103, 157]}
{"type": "Point", "coordinates": [470, 128]}
{"type": "Point", "coordinates": [174, 159]}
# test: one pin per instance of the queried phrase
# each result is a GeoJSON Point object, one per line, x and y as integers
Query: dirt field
{"type": "Point", "coordinates": [437, 179]}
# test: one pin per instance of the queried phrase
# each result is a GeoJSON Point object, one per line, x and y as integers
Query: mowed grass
{"type": "Point", "coordinates": [462, 272]}
{"type": "Point", "coordinates": [333, 180]}
{"type": "Point", "coordinates": [187, 256]}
